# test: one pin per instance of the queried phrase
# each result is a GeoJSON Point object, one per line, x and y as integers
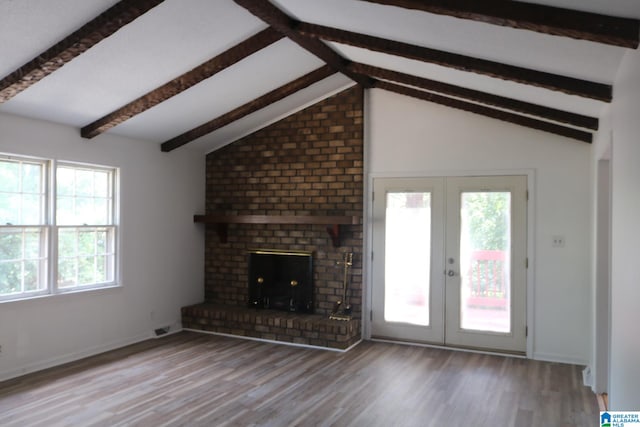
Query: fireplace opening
{"type": "Point", "coordinates": [281, 280]}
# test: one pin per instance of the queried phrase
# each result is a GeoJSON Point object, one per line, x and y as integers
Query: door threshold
{"type": "Point", "coordinates": [506, 353]}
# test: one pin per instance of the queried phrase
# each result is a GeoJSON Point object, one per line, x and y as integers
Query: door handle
{"type": "Point", "coordinates": [451, 273]}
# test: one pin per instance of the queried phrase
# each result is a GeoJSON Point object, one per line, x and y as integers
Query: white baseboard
{"type": "Point", "coordinates": [443, 347]}
{"type": "Point", "coordinates": [71, 357]}
{"type": "Point", "coordinates": [559, 358]}
{"type": "Point", "coordinates": [292, 344]}
{"type": "Point", "coordinates": [587, 377]}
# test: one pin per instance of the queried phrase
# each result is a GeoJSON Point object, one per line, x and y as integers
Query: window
{"type": "Point", "coordinates": [23, 233]}
{"type": "Point", "coordinates": [85, 226]}
{"type": "Point", "coordinates": [58, 227]}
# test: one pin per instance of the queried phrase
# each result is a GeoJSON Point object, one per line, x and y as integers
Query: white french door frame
{"type": "Point", "coordinates": [531, 221]}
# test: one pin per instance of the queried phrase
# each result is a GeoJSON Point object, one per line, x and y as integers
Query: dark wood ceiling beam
{"type": "Point", "coordinates": [478, 96]}
{"type": "Point", "coordinates": [183, 82]}
{"type": "Point", "coordinates": [555, 21]}
{"type": "Point", "coordinates": [73, 45]}
{"type": "Point", "coordinates": [248, 108]}
{"type": "Point", "coordinates": [277, 19]}
{"type": "Point", "coordinates": [569, 85]}
{"type": "Point", "coordinates": [488, 112]}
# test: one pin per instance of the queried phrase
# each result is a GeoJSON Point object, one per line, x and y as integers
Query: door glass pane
{"type": "Point", "coordinates": [485, 247]}
{"type": "Point", "coordinates": [407, 258]}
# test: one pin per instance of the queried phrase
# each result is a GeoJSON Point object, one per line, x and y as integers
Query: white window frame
{"type": "Point", "coordinates": [110, 226]}
{"type": "Point", "coordinates": [50, 230]}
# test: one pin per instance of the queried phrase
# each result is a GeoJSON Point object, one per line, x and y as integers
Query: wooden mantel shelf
{"type": "Point", "coordinates": [276, 219]}
{"type": "Point", "coordinates": [334, 222]}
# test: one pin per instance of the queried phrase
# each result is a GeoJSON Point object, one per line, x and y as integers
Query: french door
{"type": "Point", "coordinates": [449, 263]}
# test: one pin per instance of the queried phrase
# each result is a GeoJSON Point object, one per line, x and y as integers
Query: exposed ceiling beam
{"type": "Point", "coordinates": [273, 16]}
{"type": "Point", "coordinates": [248, 108]}
{"type": "Point", "coordinates": [73, 45]}
{"type": "Point", "coordinates": [183, 82]}
{"type": "Point", "coordinates": [488, 112]}
{"type": "Point", "coordinates": [535, 17]}
{"type": "Point", "coordinates": [573, 86]}
{"type": "Point", "coordinates": [477, 96]}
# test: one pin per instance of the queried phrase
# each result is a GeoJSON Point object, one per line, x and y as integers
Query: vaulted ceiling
{"type": "Point", "coordinates": [203, 73]}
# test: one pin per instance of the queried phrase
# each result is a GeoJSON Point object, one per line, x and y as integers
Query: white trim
{"type": "Point", "coordinates": [442, 347]}
{"type": "Point", "coordinates": [559, 358]}
{"type": "Point", "coordinates": [76, 291]}
{"type": "Point", "coordinates": [531, 254]}
{"type": "Point", "coordinates": [71, 357]}
{"type": "Point", "coordinates": [367, 223]}
{"type": "Point", "coordinates": [587, 378]}
{"type": "Point", "coordinates": [291, 344]}
{"type": "Point", "coordinates": [452, 173]}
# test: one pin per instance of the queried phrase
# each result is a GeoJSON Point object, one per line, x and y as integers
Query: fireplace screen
{"type": "Point", "coordinates": [281, 280]}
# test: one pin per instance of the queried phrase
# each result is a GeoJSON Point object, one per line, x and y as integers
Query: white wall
{"type": "Point", "coordinates": [625, 276]}
{"type": "Point", "coordinates": [162, 251]}
{"type": "Point", "coordinates": [412, 137]}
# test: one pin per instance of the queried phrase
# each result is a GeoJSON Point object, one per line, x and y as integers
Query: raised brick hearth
{"type": "Point", "coordinates": [307, 164]}
{"type": "Point", "coordinates": [316, 330]}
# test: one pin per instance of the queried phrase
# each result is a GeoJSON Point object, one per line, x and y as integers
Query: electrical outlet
{"type": "Point", "coordinates": [557, 241]}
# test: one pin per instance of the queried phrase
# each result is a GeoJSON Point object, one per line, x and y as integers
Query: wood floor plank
{"type": "Point", "coordinates": [191, 379]}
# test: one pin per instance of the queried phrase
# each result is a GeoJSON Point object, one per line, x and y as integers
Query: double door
{"type": "Point", "coordinates": [450, 260]}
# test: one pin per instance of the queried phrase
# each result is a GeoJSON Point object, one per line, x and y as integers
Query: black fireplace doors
{"type": "Point", "coordinates": [281, 280]}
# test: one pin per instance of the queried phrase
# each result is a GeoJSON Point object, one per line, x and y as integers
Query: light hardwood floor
{"type": "Point", "coordinates": [191, 379]}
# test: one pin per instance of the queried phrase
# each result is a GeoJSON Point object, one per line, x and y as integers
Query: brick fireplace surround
{"type": "Point", "coordinates": [310, 163]}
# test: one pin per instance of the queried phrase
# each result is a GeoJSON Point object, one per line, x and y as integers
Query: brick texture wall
{"type": "Point", "coordinates": [310, 163]}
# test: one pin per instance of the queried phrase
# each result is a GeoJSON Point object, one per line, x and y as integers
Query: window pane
{"type": "Point", "coordinates": [101, 183]}
{"type": "Point", "coordinates": [65, 213]}
{"type": "Point", "coordinates": [9, 208]}
{"type": "Point", "coordinates": [84, 256]}
{"type": "Point", "coordinates": [86, 242]}
{"type": "Point", "coordinates": [84, 196]}
{"type": "Point", "coordinates": [84, 182]}
{"type": "Point", "coordinates": [66, 243]}
{"type": "Point", "coordinates": [83, 211]}
{"type": "Point", "coordinates": [31, 178]}
{"type": "Point", "coordinates": [31, 276]}
{"type": "Point", "coordinates": [10, 277]}
{"type": "Point", "coordinates": [32, 245]}
{"type": "Point", "coordinates": [86, 270]}
{"type": "Point", "coordinates": [66, 272]}
{"type": "Point", "coordinates": [9, 176]}
{"type": "Point", "coordinates": [485, 242]}
{"type": "Point", "coordinates": [102, 268]}
{"type": "Point", "coordinates": [10, 244]}
{"type": "Point", "coordinates": [31, 209]}
{"type": "Point", "coordinates": [21, 198]}
{"type": "Point", "coordinates": [101, 242]}
{"type": "Point", "coordinates": [101, 211]}
{"type": "Point", "coordinates": [407, 258]}
{"type": "Point", "coordinates": [65, 181]}
{"type": "Point", "coordinates": [22, 256]}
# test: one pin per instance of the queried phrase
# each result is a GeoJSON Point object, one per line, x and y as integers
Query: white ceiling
{"type": "Point", "coordinates": [178, 35]}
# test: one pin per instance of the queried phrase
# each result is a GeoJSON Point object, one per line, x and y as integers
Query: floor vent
{"type": "Point", "coordinates": [162, 331]}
